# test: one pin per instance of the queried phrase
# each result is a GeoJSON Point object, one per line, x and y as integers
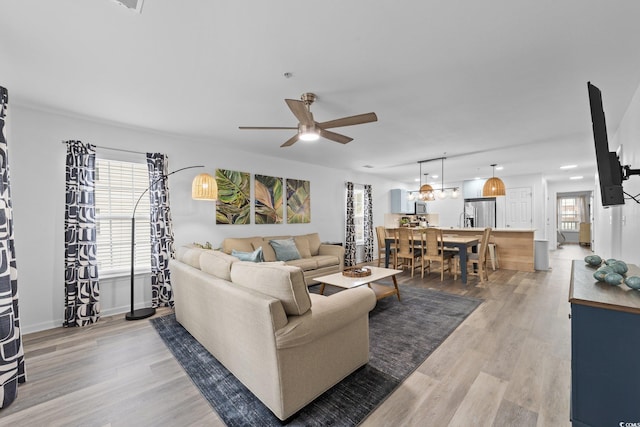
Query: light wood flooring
{"type": "Point", "coordinates": [507, 364]}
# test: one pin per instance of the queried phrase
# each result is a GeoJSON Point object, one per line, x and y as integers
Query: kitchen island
{"type": "Point", "coordinates": [514, 246]}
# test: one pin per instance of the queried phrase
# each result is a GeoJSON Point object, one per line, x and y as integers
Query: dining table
{"type": "Point", "coordinates": [462, 243]}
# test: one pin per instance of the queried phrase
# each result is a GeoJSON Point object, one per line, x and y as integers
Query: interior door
{"type": "Point", "coordinates": [519, 208]}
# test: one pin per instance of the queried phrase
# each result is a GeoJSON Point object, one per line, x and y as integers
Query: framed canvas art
{"type": "Point", "coordinates": [298, 201]}
{"type": "Point", "coordinates": [268, 203]}
{"type": "Point", "coordinates": [234, 197]}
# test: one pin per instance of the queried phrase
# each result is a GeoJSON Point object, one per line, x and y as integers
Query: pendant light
{"type": "Point", "coordinates": [426, 191]}
{"type": "Point", "coordinates": [494, 186]}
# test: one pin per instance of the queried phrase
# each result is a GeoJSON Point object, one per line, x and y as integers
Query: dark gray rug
{"type": "Point", "coordinates": [402, 335]}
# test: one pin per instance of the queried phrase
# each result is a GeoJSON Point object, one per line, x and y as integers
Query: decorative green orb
{"type": "Point", "coordinates": [593, 260]}
{"type": "Point", "coordinates": [610, 261]}
{"type": "Point", "coordinates": [601, 272]}
{"type": "Point", "coordinates": [633, 282]}
{"type": "Point", "coordinates": [619, 267]}
{"type": "Point", "coordinates": [614, 279]}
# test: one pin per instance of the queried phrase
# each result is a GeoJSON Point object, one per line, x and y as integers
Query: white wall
{"type": "Point", "coordinates": [37, 162]}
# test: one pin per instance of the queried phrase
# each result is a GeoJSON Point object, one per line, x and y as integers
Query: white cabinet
{"type": "Point", "coordinates": [472, 189]}
{"type": "Point", "coordinates": [400, 202]}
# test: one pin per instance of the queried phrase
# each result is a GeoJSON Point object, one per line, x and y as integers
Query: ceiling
{"type": "Point", "coordinates": [497, 81]}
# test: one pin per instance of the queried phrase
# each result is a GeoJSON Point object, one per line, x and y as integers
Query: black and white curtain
{"type": "Point", "coordinates": [82, 293]}
{"type": "Point", "coordinates": [161, 230]}
{"type": "Point", "coordinates": [12, 370]}
{"type": "Point", "coordinates": [368, 224]}
{"type": "Point", "coordinates": [350, 231]}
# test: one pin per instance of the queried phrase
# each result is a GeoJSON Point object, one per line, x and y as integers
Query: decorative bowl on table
{"type": "Point", "coordinates": [356, 272]}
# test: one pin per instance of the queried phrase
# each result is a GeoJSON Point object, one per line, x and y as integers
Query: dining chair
{"type": "Point", "coordinates": [433, 251]}
{"type": "Point", "coordinates": [406, 249]}
{"type": "Point", "coordinates": [381, 232]}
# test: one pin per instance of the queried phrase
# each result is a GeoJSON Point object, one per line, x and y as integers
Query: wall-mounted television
{"type": "Point", "coordinates": [610, 172]}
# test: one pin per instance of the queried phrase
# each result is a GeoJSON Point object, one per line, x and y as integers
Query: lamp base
{"type": "Point", "coordinates": [141, 313]}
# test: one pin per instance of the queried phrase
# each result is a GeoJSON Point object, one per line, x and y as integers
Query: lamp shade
{"type": "Point", "coordinates": [204, 187]}
{"type": "Point", "coordinates": [493, 187]}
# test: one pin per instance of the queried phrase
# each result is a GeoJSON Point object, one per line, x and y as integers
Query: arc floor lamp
{"type": "Point", "coordinates": [204, 187]}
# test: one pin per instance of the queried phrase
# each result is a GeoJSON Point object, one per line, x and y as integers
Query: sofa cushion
{"type": "Point", "coordinates": [268, 254]}
{"type": "Point", "coordinates": [285, 249]}
{"type": "Point", "coordinates": [326, 260]}
{"type": "Point", "coordinates": [302, 244]}
{"type": "Point", "coordinates": [255, 256]}
{"type": "Point", "coordinates": [243, 244]}
{"type": "Point", "coordinates": [305, 264]}
{"type": "Point", "coordinates": [190, 255]}
{"type": "Point", "coordinates": [314, 243]}
{"type": "Point", "coordinates": [217, 263]}
{"type": "Point", "coordinates": [283, 282]}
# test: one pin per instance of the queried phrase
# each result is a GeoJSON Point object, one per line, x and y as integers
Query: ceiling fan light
{"type": "Point", "coordinates": [309, 136]}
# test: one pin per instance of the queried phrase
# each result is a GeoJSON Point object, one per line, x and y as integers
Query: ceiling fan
{"type": "Point", "coordinates": [309, 129]}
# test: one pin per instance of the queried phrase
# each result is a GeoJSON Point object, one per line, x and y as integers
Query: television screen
{"type": "Point", "coordinates": [609, 169]}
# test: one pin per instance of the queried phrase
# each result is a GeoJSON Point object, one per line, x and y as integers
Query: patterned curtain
{"type": "Point", "coordinates": [82, 293]}
{"type": "Point", "coordinates": [368, 224]}
{"type": "Point", "coordinates": [12, 370]}
{"type": "Point", "coordinates": [161, 230]}
{"type": "Point", "coordinates": [350, 232]}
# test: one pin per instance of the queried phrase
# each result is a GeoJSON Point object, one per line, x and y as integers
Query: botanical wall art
{"type": "Point", "coordinates": [268, 199]}
{"type": "Point", "coordinates": [298, 201]}
{"type": "Point", "coordinates": [234, 197]}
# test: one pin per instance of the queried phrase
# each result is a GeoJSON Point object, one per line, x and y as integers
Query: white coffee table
{"type": "Point", "coordinates": [377, 273]}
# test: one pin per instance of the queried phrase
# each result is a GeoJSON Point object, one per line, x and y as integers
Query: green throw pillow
{"type": "Point", "coordinates": [285, 249]}
{"type": "Point", "coordinates": [255, 256]}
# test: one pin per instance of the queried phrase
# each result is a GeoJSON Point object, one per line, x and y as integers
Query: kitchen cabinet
{"type": "Point", "coordinates": [472, 189]}
{"type": "Point", "coordinates": [400, 202]}
{"type": "Point", "coordinates": [605, 343]}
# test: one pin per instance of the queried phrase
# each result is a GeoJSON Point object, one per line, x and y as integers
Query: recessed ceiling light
{"type": "Point", "coordinates": [417, 180]}
{"type": "Point", "coordinates": [576, 177]}
{"type": "Point", "coordinates": [568, 166]}
{"type": "Point", "coordinates": [477, 177]}
{"type": "Point", "coordinates": [499, 168]}
{"type": "Point", "coordinates": [434, 176]}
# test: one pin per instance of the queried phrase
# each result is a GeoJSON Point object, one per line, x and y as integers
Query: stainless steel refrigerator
{"type": "Point", "coordinates": [479, 213]}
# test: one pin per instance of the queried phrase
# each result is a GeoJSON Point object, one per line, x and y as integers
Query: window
{"type": "Point", "coordinates": [570, 217]}
{"type": "Point", "coordinates": [118, 186]}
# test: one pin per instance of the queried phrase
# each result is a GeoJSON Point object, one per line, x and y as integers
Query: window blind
{"type": "Point", "coordinates": [118, 186]}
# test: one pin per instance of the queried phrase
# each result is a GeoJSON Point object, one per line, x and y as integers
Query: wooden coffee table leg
{"type": "Point", "coordinates": [395, 283]}
{"type": "Point", "coordinates": [321, 288]}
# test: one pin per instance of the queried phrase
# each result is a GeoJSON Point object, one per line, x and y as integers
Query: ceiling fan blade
{"type": "Point", "coordinates": [265, 127]}
{"type": "Point", "coordinates": [350, 121]}
{"type": "Point", "coordinates": [300, 111]}
{"type": "Point", "coordinates": [335, 136]}
{"type": "Point", "coordinates": [290, 141]}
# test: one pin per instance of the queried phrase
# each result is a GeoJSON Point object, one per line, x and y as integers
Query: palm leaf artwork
{"type": "Point", "coordinates": [234, 199]}
{"type": "Point", "coordinates": [268, 199]}
{"type": "Point", "coordinates": [298, 201]}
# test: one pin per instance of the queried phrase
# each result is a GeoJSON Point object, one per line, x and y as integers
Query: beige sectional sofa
{"type": "Point", "coordinates": [316, 259]}
{"type": "Point", "coordinates": [259, 320]}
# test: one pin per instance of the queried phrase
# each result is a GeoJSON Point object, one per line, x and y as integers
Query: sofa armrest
{"type": "Point", "coordinates": [334, 250]}
{"type": "Point", "coordinates": [327, 314]}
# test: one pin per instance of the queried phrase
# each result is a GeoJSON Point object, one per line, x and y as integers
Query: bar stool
{"type": "Point", "coordinates": [491, 247]}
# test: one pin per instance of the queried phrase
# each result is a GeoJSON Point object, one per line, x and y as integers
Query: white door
{"type": "Point", "coordinates": [518, 209]}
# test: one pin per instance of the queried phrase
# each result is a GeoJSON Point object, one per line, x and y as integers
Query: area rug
{"type": "Point", "coordinates": [402, 335]}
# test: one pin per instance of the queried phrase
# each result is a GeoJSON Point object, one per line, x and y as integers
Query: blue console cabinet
{"type": "Point", "coordinates": [605, 350]}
